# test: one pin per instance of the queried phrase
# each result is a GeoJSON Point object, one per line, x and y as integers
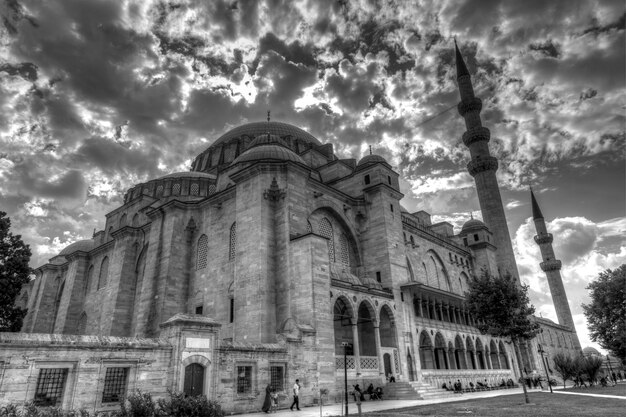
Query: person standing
{"type": "Point", "coordinates": [296, 393]}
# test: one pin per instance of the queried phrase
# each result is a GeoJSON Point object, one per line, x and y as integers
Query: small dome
{"type": "Point", "coordinates": [590, 351]}
{"type": "Point", "coordinates": [82, 245]}
{"type": "Point", "coordinates": [473, 224]}
{"type": "Point", "coordinates": [268, 152]}
{"type": "Point", "coordinates": [188, 174]}
{"type": "Point", "coordinates": [371, 159]}
{"type": "Point", "coordinates": [266, 139]}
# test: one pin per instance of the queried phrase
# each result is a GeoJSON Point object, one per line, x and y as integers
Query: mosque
{"type": "Point", "coordinates": [274, 260]}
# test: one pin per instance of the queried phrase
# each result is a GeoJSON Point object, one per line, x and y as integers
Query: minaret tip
{"type": "Point", "coordinates": [461, 69]}
{"type": "Point", "coordinates": [536, 210]}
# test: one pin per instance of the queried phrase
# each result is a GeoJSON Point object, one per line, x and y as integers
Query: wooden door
{"type": "Point", "coordinates": [194, 380]}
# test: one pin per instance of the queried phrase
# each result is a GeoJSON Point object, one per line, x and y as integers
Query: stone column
{"type": "Point", "coordinates": [420, 307]}
{"type": "Point", "coordinates": [381, 365]}
{"type": "Point", "coordinates": [355, 349]}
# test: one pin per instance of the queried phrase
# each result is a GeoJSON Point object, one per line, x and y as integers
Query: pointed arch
{"type": "Point", "coordinates": [441, 357]}
{"type": "Point", "coordinates": [504, 359]}
{"type": "Point", "coordinates": [427, 358]}
{"type": "Point", "coordinates": [436, 271]}
{"type": "Point", "coordinates": [344, 250]}
{"type": "Point", "coordinates": [365, 327]}
{"type": "Point", "coordinates": [387, 328]}
{"type": "Point", "coordinates": [480, 355]}
{"type": "Point", "coordinates": [57, 302]}
{"type": "Point", "coordinates": [135, 221]}
{"type": "Point", "coordinates": [343, 314]}
{"type": "Point", "coordinates": [202, 250]}
{"type": "Point", "coordinates": [104, 273]}
{"type": "Point", "coordinates": [232, 245]}
{"type": "Point", "coordinates": [459, 353]}
{"type": "Point", "coordinates": [469, 346]}
{"type": "Point", "coordinates": [463, 282]}
{"type": "Point", "coordinates": [122, 220]}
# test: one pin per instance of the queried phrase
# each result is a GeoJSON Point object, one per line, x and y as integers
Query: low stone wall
{"type": "Point", "coordinates": [84, 361]}
{"type": "Point", "coordinates": [494, 377]}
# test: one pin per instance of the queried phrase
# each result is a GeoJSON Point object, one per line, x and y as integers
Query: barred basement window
{"type": "Point", "coordinates": [114, 385]}
{"type": "Point", "coordinates": [195, 189]}
{"type": "Point", "coordinates": [343, 248]}
{"type": "Point", "coordinates": [202, 252]}
{"type": "Point", "coordinates": [277, 377]}
{"type": "Point", "coordinates": [50, 387]}
{"type": "Point", "coordinates": [244, 379]}
{"type": "Point", "coordinates": [232, 250]}
{"type": "Point", "coordinates": [326, 230]}
{"type": "Point", "coordinates": [176, 189]}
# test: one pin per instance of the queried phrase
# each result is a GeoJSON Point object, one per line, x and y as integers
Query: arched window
{"type": "Point", "coordinates": [135, 221]}
{"type": "Point", "coordinates": [232, 248]}
{"type": "Point", "coordinates": [344, 250]}
{"type": "Point", "coordinates": [342, 323]}
{"type": "Point", "coordinates": [104, 273]}
{"type": "Point", "coordinates": [202, 252]}
{"type": "Point", "coordinates": [123, 220]}
{"type": "Point", "coordinates": [88, 278]}
{"type": "Point", "coordinates": [326, 230]}
{"type": "Point", "coordinates": [504, 360]}
{"type": "Point", "coordinates": [426, 351]}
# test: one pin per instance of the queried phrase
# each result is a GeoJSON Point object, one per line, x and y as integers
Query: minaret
{"type": "Point", "coordinates": [483, 168]}
{"type": "Point", "coordinates": [552, 267]}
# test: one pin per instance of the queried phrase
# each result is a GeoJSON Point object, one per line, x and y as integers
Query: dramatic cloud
{"type": "Point", "coordinates": [96, 96]}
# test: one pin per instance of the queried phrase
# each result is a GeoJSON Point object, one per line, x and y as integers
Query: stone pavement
{"type": "Point", "coordinates": [369, 406]}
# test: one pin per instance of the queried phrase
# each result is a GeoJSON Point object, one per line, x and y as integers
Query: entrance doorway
{"type": "Point", "coordinates": [194, 380]}
{"type": "Point", "coordinates": [387, 362]}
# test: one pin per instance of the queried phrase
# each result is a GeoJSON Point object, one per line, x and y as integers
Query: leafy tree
{"type": "Point", "coordinates": [591, 366]}
{"type": "Point", "coordinates": [605, 314]}
{"type": "Point", "coordinates": [501, 307]}
{"type": "Point", "coordinates": [566, 367]}
{"type": "Point", "coordinates": [14, 272]}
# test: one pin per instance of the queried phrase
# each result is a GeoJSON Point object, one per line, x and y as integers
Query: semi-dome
{"type": "Point", "coordinates": [371, 159]}
{"type": "Point", "coordinates": [81, 245]}
{"type": "Point", "coordinates": [268, 152]}
{"type": "Point", "coordinates": [473, 224]}
{"type": "Point", "coordinates": [257, 129]}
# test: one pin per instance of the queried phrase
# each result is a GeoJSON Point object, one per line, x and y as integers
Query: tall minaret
{"type": "Point", "coordinates": [483, 168]}
{"type": "Point", "coordinates": [552, 267]}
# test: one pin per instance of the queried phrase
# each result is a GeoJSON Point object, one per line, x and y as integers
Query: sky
{"type": "Point", "coordinates": [97, 96]}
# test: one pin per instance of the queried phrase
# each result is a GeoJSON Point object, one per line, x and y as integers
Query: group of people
{"type": "Point", "coordinates": [374, 394]}
{"type": "Point", "coordinates": [271, 398]}
{"type": "Point", "coordinates": [458, 385]}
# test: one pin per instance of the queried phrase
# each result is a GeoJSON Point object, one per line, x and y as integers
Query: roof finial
{"type": "Point", "coordinates": [268, 125]}
{"type": "Point", "coordinates": [472, 215]}
{"type": "Point", "coordinates": [370, 149]}
{"type": "Point", "coordinates": [268, 116]}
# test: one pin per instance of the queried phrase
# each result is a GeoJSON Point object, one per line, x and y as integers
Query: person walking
{"type": "Point", "coordinates": [267, 404]}
{"type": "Point", "coordinates": [296, 393]}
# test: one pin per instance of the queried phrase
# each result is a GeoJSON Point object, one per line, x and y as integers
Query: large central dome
{"type": "Point", "coordinates": [254, 129]}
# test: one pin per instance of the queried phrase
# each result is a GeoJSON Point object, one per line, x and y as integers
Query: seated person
{"type": "Point", "coordinates": [471, 385]}
{"type": "Point", "coordinates": [458, 387]}
{"type": "Point", "coordinates": [391, 378]}
{"type": "Point", "coordinates": [370, 389]}
{"type": "Point", "coordinates": [379, 393]}
{"type": "Point", "coordinates": [503, 384]}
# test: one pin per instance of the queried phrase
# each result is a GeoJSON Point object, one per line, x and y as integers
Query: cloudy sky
{"type": "Point", "coordinates": [99, 95]}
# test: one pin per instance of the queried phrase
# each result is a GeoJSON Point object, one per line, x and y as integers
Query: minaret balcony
{"type": "Point", "coordinates": [473, 105]}
{"type": "Point", "coordinates": [476, 134]}
{"type": "Point", "coordinates": [553, 265]}
{"type": "Point", "coordinates": [543, 238]}
{"type": "Point", "coordinates": [476, 166]}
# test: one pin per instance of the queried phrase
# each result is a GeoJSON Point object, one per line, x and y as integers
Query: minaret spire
{"type": "Point", "coordinates": [483, 167]}
{"type": "Point", "coordinates": [552, 267]}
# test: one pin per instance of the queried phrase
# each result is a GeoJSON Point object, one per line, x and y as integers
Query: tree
{"type": "Point", "coordinates": [605, 314]}
{"type": "Point", "coordinates": [566, 366]}
{"type": "Point", "coordinates": [591, 366]}
{"type": "Point", "coordinates": [14, 272]}
{"type": "Point", "coordinates": [501, 307]}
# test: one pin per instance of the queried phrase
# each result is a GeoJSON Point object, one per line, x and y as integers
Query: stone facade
{"type": "Point", "coordinates": [272, 260]}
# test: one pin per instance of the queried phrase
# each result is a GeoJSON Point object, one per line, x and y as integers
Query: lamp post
{"type": "Point", "coordinates": [345, 372]}
{"type": "Point", "coordinates": [543, 360]}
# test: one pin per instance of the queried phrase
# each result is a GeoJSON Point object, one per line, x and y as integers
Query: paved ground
{"type": "Point", "coordinates": [368, 406]}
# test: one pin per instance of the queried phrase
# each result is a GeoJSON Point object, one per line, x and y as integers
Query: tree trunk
{"type": "Point", "coordinates": [521, 370]}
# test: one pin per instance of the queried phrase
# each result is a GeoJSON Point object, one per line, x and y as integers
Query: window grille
{"type": "Point", "coordinates": [326, 230]}
{"type": "Point", "coordinates": [309, 228]}
{"type": "Point", "coordinates": [195, 189]}
{"type": "Point", "coordinates": [203, 249]}
{"type": "Point", "coordinates": [277, 378]}
{"type": "Point", "coordinates": [104, 272]}
{"type": "Point", "coordinates": [211, 188]}
{"type": "Point", "coordinates": [114, 385]}
{"type": "Point", "coordinates": [244, 379]}
{"type": "Point", "coordinates": [176, 189]}
{"type": "Point", "coordinates": [343, 248]}
{"type": "Point", "coordinates": [159, 191]}
{"type": "Point", "coordinates": [50, 387]}
{"type": "Point", "coordinates": [233, 242]}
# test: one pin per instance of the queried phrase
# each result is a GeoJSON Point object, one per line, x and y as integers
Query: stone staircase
{"type": "Point", "coordinates": [414, 390]}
